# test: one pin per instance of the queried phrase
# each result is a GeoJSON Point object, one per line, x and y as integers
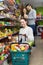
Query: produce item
{"type": "Point", "coordinates": [10, 31]}
{"type": "Point", "coordinates": [17, 13]}
{"type": "Point", "coordinates": [2, 57]}
{"type": "Point", "coordinates": [1, 3]}
{"type": "Point", "coordinates": [2, 34]}
{"type": "Point", "coordinates": [22, 48]}
{"type": "Point", "coordinates": [19, 47]}
{"type": "Point", "coordinates": [16, 38]}
{"type": "Point", "coordinates": [2, 12]}
{"type": "Point", "coordinates": [7, 47]}
{"type": "Point", "coordinates": [9, 37]}
{"type": "Point", "coordinates": [13, 39]}
{"type": "Point", "coordinates": [7, 32]}
{"type": "Point", "coordinates": [7, 15]}
{"type": "Point", "coordinates": [1, 23]}
{"type": "Point", "coordinates": [31, 43]}
{"type": "Point", "coordinates": [0, 48]}
{"type": "Point", "coordinates": [13, 47]}
{"type": "Point", "coordinates": [3, 51]}
{"type": "Point", "coordinates": [27, 47]}
{"type": "Point", "coordinates": [0, 45]}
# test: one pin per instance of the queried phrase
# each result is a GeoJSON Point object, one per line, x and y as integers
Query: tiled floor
{"type": "Point", "coordinates": [37, 53]}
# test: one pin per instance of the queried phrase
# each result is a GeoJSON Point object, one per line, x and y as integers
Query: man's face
{"type": "Point", "coordinates": [23, 22]}
{"type": "Point", "coordinates": [28, 8]}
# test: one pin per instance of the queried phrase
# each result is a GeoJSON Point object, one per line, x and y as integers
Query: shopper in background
{"type": "Point", "coordinates": [31, 16]}
{"type": "Point", "coordinates": [26, 31]}
{"type": "Point", "coordinates": [23, 11]}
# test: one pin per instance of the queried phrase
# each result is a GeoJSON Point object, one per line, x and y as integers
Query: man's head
{"type": "Point", "coordinates": [28, 7]}
{"type": "Point", "coordinates": [23, 22]}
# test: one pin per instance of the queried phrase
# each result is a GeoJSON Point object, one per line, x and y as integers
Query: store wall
{"type": "Point", "coordinates": [35, 3]}
{"type": "Point", "coordinates": [24, 1]}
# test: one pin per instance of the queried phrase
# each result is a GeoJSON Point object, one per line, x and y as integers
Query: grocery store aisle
{"type": "Point", "coordinates": [36, 57]}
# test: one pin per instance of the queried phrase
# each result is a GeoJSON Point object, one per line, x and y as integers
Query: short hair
{"type": "Point", "coordinates": [28, 5]}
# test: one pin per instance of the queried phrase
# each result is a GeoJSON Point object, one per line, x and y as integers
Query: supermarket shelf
{"type": "Point", "coordinates": [8, 26]}
{"type": "Point", "coordinates": [3, 17]}
{"type": "Point", "coordinates": [2, 27]}
{"type": "Point", "coordinates": [6, 18]}
{"type": "Point", "coordinates": [1, 8]}
{"type": "Point", "coordinates": [4, 38]}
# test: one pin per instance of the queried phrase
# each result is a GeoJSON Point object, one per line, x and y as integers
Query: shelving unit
{"type": "Point", "coordinates": [7, 25]}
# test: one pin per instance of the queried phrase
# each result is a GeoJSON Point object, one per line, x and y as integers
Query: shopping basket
{"type": "Point", "coordinates": [20, 57]}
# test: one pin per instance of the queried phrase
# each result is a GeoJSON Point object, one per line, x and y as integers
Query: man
{"type": "Point", "coordinates": [31, 16]}
{"type": "Point", "coordinates": [26, 31]}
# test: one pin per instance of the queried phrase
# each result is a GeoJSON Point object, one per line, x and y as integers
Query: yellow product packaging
{"type": "Point", "coordinates": [22, 48]}
{"type": "Point", "coordinates": [13, 47]}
